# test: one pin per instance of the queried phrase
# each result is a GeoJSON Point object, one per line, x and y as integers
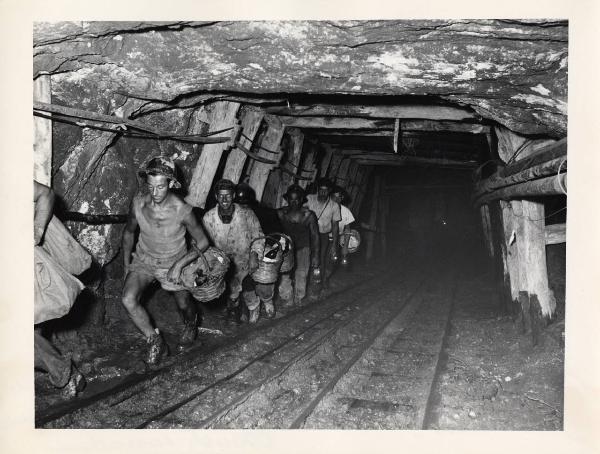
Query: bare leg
{"type": "Point", "coordinates": [135, 283]}
{"type": "Point", "coordinates": [185, 305]}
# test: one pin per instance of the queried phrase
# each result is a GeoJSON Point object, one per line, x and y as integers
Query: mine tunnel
{"type": "Point", "coordinates": [448, 140]}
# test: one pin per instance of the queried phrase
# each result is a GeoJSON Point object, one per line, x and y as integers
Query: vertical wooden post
{"type": "Point", "coordinates": [42, 134]}
{"type": "Point", "coordinates": [328, 153]}
{"type": "Point", "coordinates": [537, 301]}
{"type": "Point", "coordinates": [292, 161]}
{"type": "Point", "coordinates": [270, 141]}
{"type": "Point", "coordinates": [251, 120]}
{"type": "Point", "coordinates": [373, 218]}
{"type": "Point", "coordinates": [509, 225]}
{"type": "Point", "coordinates": [341, 179]}
{"type": "Point", "coordinates": [334, 166]}
{"type": "Point", "coordinates": [500, 253]}
{"type": "Point", "coordinates": [220, 115]}
{"type": "Point", "coordinates": [355, 186]}
{"type": "Point", "coordinates": [361, 190]}
{"type": "Point", "coordinates": [308, 164]}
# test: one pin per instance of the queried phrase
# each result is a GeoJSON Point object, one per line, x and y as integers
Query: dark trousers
{"type": "Point", "coordinates": [325, 258]}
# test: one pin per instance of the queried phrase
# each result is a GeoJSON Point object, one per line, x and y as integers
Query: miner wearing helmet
{"type": "Point", "coordinates": [161, 252]}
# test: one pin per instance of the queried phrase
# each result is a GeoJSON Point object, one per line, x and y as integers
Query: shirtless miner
{"type": "Point", "coordinates": [161, 252]}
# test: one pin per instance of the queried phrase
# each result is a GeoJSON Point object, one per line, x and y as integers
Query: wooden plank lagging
{"type": "Point", "coordinates": [361, 192]}
{"type": "Point", "coordinates": [334, 166]}
{"type": "Point", "coordinates": [42, 134]}
{"type": "Point", "coordinates": [220, 115]}
{"type": "Point", "coordinates": [341, 179]}
{"type": "Point", "coordinates": [308, 162]}
{"type": "Point", "coordinates": [270, 143]}
{"type": "Point", "coordinates": [356, 187]}
{"type": "Point", "coordinates": [251, 121]}
{"type": "Point", "coordinates": [293, 157]}
{"type": "Point", "coordinates": [326, 161]}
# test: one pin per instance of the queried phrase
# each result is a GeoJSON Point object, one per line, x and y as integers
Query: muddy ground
{"type": "Point", "coordinates": [451, 360]}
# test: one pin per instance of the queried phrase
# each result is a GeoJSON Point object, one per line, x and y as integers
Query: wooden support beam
{"type": "Point", "coordinates": [270, 141]}
{"type": "Point", "coordinates": [543, 169]}
{"type": "Point", "coordinates": [327, 154]}
{"type": "Point", "coordinates": [351, 179]}
{"type": "Point", "coordinates": [334, 167]}
{"type": "Point", "coordinates": [42, 134]}
{"type": "Point", "coordinates": [251, 121]}
{"type": "Point", "coordinates": [336, 123]}
{"type": "Point", "coordinates": [413, 160]}
{"type": "Point", "coordinates": [443, 126]}
{"type": "Point", "coordinates": [293, 157]}
{"type": "Point", "coordinates": [509, 227]}
{"type": "Point", "coordinates": [556, 234]}
{"type": "Point", "coordinates": [553, 185]}
{"type": "Point", "coordinates": [220, 115]}
{"type": "Point", "coordinates": [513, 147]}
{"type": "Point", "coordinates": [397, 135]}
{"type": "Point", "coordinates": [375, 111]}
{"type": "Point", "coordinates": [132, 128]}
{"type": "Point", "coordinates": [553, 151]}
{"type": "Point", "coordinates": [308, 163]}
{"type": "Point", "coordinates": [537, 301]}
{"type": "Point", "coordinates": [356, 187]}
{"type": "Point", "coordinates": [362, 189]}
{"type": "Point", "coordinates": [341, 178]}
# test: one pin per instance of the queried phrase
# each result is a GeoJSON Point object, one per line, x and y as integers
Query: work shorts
{"type": "Point", "coordinates": [158, 269]}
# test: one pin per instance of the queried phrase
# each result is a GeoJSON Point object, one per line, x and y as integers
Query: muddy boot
{"type": "Point", "coordinates": [75, 385]}
{"type": "Point", "coordinates": [253, 315]}
{"type": "Point", "coordinates": [158, 349]}
{"type": "Point", "coordinates": [189, 334]}
{"type": "Point", "coordinates": [269, 310]}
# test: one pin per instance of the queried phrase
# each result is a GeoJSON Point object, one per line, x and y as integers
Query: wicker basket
{"type": "Point", "coordinates": [288, 256]}
{"type": "Point", "coordinates": [267, 271]}
{"type": "Point", "coordinates": [213, 263]}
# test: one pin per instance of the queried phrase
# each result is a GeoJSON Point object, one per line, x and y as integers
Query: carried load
{"type": "Point", "coordinates": [204, 278]}
{"type": "Point", "coordinates": [55, 262]}
{"type": "Point", "coordinates": [275, 248]}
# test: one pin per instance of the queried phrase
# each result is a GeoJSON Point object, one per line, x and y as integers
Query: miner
{"type": "Point", "coordinates": [338, 194]}
{"type": "Point", "coordinates": [328, 215]}
{"type": "Point", "coordinates": [61, 370]}
{"type": "Point", "coordinates": [300, 224]}
{"type": "Point", "coordinates": [161, 252]}
{"type": "Point", "coordinates": [232, 228]}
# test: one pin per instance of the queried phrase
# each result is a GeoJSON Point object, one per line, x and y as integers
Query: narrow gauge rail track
{"type": "Point", "coordinates": [281, 386]}
{"type": "Point", "coordinates": [102, 408]}
{"type": "Point", "coordinates": [196, 413]}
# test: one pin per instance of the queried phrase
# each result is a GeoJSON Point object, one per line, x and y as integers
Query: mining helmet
{"type": "Point", "coordinates": [160, 165]}
{"type": "Point", "coordinates": [244, 194]}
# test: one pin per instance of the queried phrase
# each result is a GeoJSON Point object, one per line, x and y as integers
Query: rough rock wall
{"type": "Point", "coordinates": [511, 71]}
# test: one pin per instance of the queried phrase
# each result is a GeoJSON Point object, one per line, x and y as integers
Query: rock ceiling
{"type": "Point", "coordinates": [513, 72]}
